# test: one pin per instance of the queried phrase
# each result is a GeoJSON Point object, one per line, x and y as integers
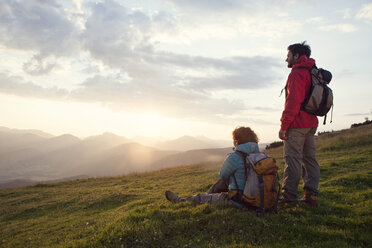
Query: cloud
{"type": "Point", "coordinates": [146, 79]}
{"type": "Point", "coordinates": [347, 13]}
{"type": "Point", "coordinates": [358, 114]}
{"type": "Point", "coordinates": [240, 73]}
{"type": "Point", "coordinates": [210, 5]}
{"type": "Point", "coordinates": [16, 85]}
{"type": "Point", "coordinates": [140, 98]}
{"type": "Point", "coordinates": [315, 20]}
{"type": "Point", "coordinates": [38, 65]}
{"type": "Point", "coordinates": [202, 73]}
{"type": "Point", "coordinates": [163, 98]}
{"type": "Point", "coordinates": [114, 35]}
{"type": "Point", "coordinates": [202, 20]}
{"type": "Point", "coordinates": [266, 109]}
{"type": "Point", "coordinates": [38, 26]}
{"type": "Point", "coordinates": [118, 93]}
{"type": "Point", "coordinates": [158, 86]}
{"type": "Point", "coordinates": [121, 39]}
{"type": "Point", "coordinates": [344, 28]}
{"type": "Point", "coordinates": [365, 12]}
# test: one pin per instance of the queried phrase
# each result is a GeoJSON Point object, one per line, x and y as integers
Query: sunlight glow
{"type": "Point", "coordinates": [86, 119]}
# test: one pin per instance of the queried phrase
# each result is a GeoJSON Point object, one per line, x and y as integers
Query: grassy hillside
{"type": "Point", "coordinates": [131, 211]}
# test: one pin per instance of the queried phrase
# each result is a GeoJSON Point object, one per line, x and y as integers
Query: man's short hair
{"type": "Point", "coordinates": [243, 135]}
{"type": "Point", "coordinates": [300, 48]}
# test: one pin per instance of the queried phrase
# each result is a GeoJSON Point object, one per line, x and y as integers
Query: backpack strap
{"type": "Point", "coordinates": [242, 154]}
{"type": "Point", "coordinates": [278, 193]}
{"type": "Point", "coordinates": [325, 97]}
{"type": "Point", "coordinates": [236, 182]}
{"type": "Point", "coordinates": [281, 92]}
{"type": "Point", "coordinates": [307, 97]}
{"type": "Point", "coordinates": [239, 194]}
{"type": "Point", "coordinates": [261, 186]}
{"type": "Point", "coordinates": [307, 68]}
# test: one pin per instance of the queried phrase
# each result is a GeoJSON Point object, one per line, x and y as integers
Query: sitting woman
{"type": "Point", "coordinates": [232, 172]}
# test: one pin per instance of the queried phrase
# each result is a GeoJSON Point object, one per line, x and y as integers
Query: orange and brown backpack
{"type": "Point", "coordinates": [262, 187]}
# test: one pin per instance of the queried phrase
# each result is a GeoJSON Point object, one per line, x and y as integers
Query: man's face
{"type": "Point", "coordinates": [291, 59]}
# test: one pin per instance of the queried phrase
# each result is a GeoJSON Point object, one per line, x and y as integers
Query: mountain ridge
{"type": "Point", "coordinates": [65, 156]}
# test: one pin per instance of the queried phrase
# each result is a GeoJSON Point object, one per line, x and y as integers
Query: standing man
{"type": "Point", "coordinates": [298, 129]}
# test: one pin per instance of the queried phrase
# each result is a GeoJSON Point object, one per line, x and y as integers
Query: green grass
{"type": "Point", "coordinates": [131, 211]}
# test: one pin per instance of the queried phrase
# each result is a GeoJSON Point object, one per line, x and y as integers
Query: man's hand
{"type": "Point", "coordinates": [283, 134]}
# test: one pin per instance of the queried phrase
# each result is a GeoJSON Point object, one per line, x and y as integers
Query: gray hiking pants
{"type": "Point", "coordinates": [299, 156]}
{"type": "Point", "coordinates": [215, 198]}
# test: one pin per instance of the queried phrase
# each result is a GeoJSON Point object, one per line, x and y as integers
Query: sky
{"type": "Point", "coordinates": [168, 68]}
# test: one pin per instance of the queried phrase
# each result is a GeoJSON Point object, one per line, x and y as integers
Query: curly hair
{"type": "Point", "coordinates": [243, 135]}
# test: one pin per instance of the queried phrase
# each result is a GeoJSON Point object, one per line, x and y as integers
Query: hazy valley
{"type": "Point", "coordinates": [30, 156]}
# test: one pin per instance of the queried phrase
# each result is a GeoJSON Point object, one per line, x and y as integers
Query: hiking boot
{"type": "Point", "coordinates": [309, 199]}
{"type": "Point", "coordinates": [172, 197]}
{"type": "Point", "coordinates": [284, 201]}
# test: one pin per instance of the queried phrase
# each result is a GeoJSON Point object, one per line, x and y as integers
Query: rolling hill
{"type": "Point", "coordinates": [131, 210]}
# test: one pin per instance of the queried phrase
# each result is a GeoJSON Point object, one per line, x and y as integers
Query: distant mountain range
{"type": "Point", "coordinates": [29, 156]}
{"type": "Point", "coordinates": [29, 131]}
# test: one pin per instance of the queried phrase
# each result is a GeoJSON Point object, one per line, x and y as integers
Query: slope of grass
{"type": "Point", "coordinates": [131, 211]}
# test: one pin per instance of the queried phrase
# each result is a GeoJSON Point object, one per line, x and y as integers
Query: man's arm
{"type": "Point", "coordinates": [296, 88]}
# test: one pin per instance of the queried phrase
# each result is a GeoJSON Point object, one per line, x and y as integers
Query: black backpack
{"type": "Point", "coordinates": [320, 99]}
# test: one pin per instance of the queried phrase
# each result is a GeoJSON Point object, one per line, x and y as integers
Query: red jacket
{"type": "Point", "coordinates": [297, 88]}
